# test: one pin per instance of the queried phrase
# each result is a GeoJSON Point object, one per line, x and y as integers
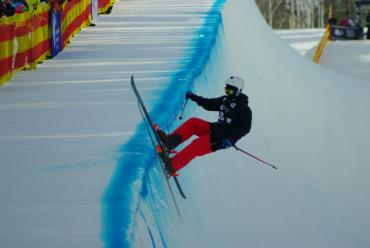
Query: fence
{"type": "Point", "coordinates": [346, 33]}
{"type": "Point", "coordinates": [26, 39]}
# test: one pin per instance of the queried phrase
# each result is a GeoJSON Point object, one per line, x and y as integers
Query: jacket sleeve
{"type": "Point", "coordinates": [245, 123]}
{"type": "Point", "coordinates": [210, 104]}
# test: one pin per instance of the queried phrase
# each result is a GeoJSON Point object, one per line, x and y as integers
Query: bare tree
{"type": "Point", "coordinates": [310, 11]}
{"type": "Point", "coordinates": [320, 13]}
{"type": "Point", "coordinates": [269, 8]}
{"type": "Point", "coordinates": [330, 6]}
{"type": "Point", "coordinates": [304, 13]}
{"type": "Point", "coordinates": [273, 6]}
{"type": "Point", "coordinates": [293, 16]}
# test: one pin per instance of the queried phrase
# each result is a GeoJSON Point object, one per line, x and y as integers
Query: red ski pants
{"type": "Point", "coordinates": [198, 147]}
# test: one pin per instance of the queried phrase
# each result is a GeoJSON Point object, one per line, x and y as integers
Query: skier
{"type": "Point", "coordinates": [234, 121]}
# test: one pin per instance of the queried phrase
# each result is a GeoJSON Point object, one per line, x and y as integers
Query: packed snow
{"type": "Point", "coordinates": [301, 40]}
{"type": "Point", "coordinates": [351, 58]}
{"type": "Point", "coordinates": [73, 144]}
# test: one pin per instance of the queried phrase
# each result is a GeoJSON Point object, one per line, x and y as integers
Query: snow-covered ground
{"type": "Point", "coordinates": [63, 125]}
{"type": "Point", "coordinates": [301, 40]}
{"type": "Point", "coordinates": [313, 123]}
{"type": "Point", "coordinates": [351, 58]}
{"type": "Point", "coordinates": [77, 169]}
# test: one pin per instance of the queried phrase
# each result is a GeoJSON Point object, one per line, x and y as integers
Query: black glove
{"type": "Point", "coordinates": [190, 95]}
{"type": "Point", "coordinates": [226, 143]}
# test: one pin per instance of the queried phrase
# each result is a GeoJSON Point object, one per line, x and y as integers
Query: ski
{"type": "Point", "coordinates": [159, 147]}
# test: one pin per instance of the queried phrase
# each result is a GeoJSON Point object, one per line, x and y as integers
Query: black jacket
{"type": "Point", "coordinates": [234, 119]}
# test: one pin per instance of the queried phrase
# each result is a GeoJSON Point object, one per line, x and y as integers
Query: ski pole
{"type": "Point", "coordinates": [183, 108]}
{"type": "Point", "coordinates": [241, 150]}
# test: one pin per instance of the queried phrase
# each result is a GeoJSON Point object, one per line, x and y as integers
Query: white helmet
{"type": "Point", "coordinates": [236, 82]}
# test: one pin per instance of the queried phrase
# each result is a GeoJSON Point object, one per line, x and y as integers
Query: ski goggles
{"type": "Point", "coordinates": [229, 90]}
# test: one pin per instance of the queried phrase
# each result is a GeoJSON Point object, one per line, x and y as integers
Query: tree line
{"type": "Point", "coordinates": [292, 14]}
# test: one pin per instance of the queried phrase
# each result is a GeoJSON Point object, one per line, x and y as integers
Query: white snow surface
{"type": "Point", "coordinates": [301, 40]}
{"type": "Point", "coordinates": [351, 58]}
{"type": "Point", "coordinates": [63, 126]}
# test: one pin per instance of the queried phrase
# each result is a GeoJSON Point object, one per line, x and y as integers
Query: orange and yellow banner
{"type": "Point", "coordinates": [25, 38]}
{"type": "Point", "coordinates": [75, 15]}
{"type": "Point", "coordinates": [24, 41]}
{"type": "Point", "coordinates": [104, 5]}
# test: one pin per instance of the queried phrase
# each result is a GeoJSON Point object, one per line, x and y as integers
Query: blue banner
{"type": "Point", "coordinates": [56, 32]}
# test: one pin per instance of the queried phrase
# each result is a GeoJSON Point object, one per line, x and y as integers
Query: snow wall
{"type": "Point", "coordinates": [312, 123]}
{"type": "Point", "coordinates": [137, 203]}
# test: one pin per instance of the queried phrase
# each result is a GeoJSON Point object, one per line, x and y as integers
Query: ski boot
{"type": "Point", "coordinates": [167, 162]}
{"type": "Point", "coordinates": [169, 141]}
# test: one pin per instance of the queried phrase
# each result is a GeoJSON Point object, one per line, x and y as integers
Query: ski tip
{"type": "Point", "coordinates": [273, 166]}
{"type": "Point", "coordinates": [174, 174]}
{"type": "Point", "coordinates": [155, 126]}
{"type": "Point", "coordinates": [158, 148]}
